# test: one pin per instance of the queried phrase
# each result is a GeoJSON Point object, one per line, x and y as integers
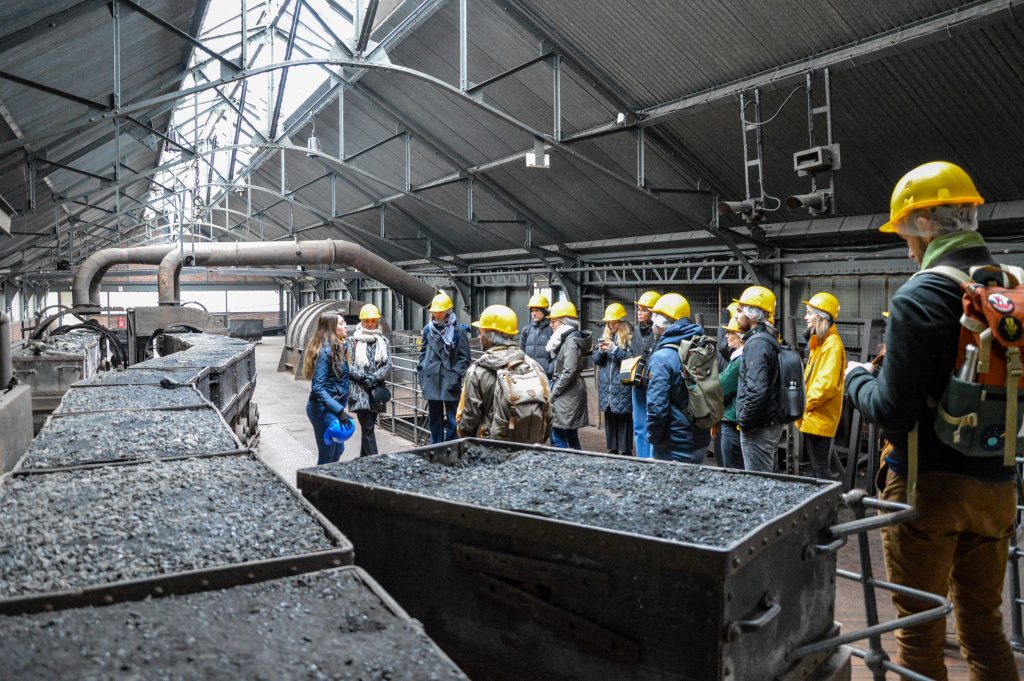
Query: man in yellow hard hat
{"type": "Point", "coordinates": [505, 395]}
{"type": "Point", "coordinates": [642, 345]}
{"type": "Point", "coordinates": [535, 337]}
{"type": "Point", "coordinates": [672, 435]}
{"type": "Point", "coordinates": [444, 359]}
{"type": "Point", "coordinates": [959, 541]}
{"type": "Point", "coordinates": [759, 389]}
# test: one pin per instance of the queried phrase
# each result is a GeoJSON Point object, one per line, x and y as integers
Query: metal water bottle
{"type": "Point", "coordinates": [969, 368]}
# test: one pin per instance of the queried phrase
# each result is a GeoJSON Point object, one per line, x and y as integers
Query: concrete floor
{"type": "Point", "coordinates": [286, 435]}
{"type": "Point", "coordinates": [287, 444]}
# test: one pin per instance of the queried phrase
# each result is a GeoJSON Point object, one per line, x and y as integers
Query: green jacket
{"type": "Point", "coordinates": [729, 377]}
{"type": "Point", "coordinates": [921, 344]}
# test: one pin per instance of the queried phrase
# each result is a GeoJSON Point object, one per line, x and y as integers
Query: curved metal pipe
{"type": "Point", "coordinates": [323, 252]}
{"type": "Point", "coordinates": [6, 366]}
{"type": "Point", "coordinates": [85, 286]}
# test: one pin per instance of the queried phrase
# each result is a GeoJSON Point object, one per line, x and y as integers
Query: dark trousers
{"type": "Point", "coordinates": [730, 451]}
{"type": "Point", "coordinates": [566, 438]}
{"type": "Point", "coordinates": [441, 420]}
{"type": "Point", "coordinates": [321, 418]}
{"type": "Point", "coordinates": [367, 440]}
{"type": "Point", "coordinates": [819, 449]}
{"type": "Point", "coordinates": [618, 433]}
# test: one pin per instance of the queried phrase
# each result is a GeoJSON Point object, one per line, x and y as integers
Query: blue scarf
{"type": "Point", "coordinates": [445, 331]}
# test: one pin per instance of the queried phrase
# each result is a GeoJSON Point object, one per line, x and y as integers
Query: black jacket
{"type": "Point", "coordinates": [921, 341]}
{"type": "Point", "coordinates": [534, 339]}
{"type": "Point", "coordinates": [759, 389]}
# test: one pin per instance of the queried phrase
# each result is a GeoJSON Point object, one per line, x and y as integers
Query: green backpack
{"type": "Point", "coordinates": [698, 357]}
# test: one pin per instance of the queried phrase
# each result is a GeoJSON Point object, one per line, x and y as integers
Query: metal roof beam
{"type": "Point", "coordinates": [605, 85]}
{"type": "Point", "coordinates": [56, 92]}
{"type": "Point", "coordinates": [46, 24]}
{"type": "Point", "coordinates": [941, 26]}
{"type": "Point", "coordinates": [289, 48]}
{"type": "Point", "coordinates": [231, 66]}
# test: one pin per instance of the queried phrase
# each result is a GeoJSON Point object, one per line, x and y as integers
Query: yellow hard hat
{"type": "Point", "coordinates": [648, 299]}
{"type": "Point", "coordinates": [563, 308]}
{"type": "Point", "coordinates": [538, 300]}
{"type": "Point", "coordinates": [441, 302]}
{"type": "Point", "coordinates": [826, 302]}
{"type": "Point", "coordinates": [614, 313]}
{"type": "Point", "coordinates": [673, 306]}
{"type": "Point", "coordinates": [759, 297]}
{"type": "Point", "coordinates": [733, 308]}
{"type": "Point", "coordinates": [886, 314]}
{"type": "Point", "coordinates": [733, 325]}
{"type": "Point", "coordinates": [498, 318]}
{"type": "Point", "coordinates": [369, 311]}
{"type": "Point", "coordinates": [938, 183]}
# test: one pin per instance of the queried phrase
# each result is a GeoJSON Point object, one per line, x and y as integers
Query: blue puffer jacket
{"type": "Point", "coordinates": [667, 425]}
{"type": "Point", "coordinates": [611, 394]}
{"type": "Point", "coordinates": [329, 388]}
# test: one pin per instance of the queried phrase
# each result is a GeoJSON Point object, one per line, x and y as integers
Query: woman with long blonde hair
{"type": "Point", "coordinates": [615, 399]}
{"type": "Point", "coordinates": [325, 361]}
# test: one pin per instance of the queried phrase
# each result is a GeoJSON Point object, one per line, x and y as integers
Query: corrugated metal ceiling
{"type": "Point", "coordinates": [953, 98]}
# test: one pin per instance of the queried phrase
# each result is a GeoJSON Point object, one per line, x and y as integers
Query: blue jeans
{"type": "Point", "coordinates": [669, 454]}
{"type": "Point", "coordinates": [731, 454]}
{"type": "Point", "coordinates": [321, 418]}
{"type": "Point", "coordinates": [566, 438]}
{"type": "Point", "coordinates": [441, 420]}
{"type": "Point", "coordinates": [643, 447]}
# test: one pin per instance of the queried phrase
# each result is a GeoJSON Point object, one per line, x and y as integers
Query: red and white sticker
{"type": "Point", "coordinates": [1000, 303]}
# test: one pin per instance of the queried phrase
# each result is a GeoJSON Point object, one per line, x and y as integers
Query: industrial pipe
{"type": "Point", "coordinates": [325, 252]}
{"type": "Point", "coordinates": [6, 366]}
{"type": "Point", "coordinates": [85, 286]}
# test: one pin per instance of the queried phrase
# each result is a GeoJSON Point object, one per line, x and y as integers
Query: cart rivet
{"type": "Point", "coordinates": [159, 591]}
{"type": "Point", "coordinates": [250, 576]}
{"type": "Point", "coordinates": [764, 541]}
{"type": "Point", "coordinates": [108, 599]}
{"type": "Point", "coordinates": [750, 550]}
{"type": "Point", "coordinates": [204, 582]}
{"type": "Point", "coordinates": [736, 561]}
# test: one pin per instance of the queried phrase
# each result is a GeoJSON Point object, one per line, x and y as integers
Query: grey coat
{"type": "Point", "coordinates": [363, 381]}
{"type": "Point", "coordinates": [533, 340]}
{"type": "Point", "coordinates": [440, 369]}
{"type": "Point", "coordinates": [568, 389]}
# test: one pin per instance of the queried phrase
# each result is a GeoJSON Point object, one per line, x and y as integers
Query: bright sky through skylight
{"type": "Point", "coordinates": [211, 120]}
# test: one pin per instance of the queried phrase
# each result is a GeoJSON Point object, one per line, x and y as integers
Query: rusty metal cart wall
{"type": "Point", "coordinates": [50, 372]}
{"type": "Point", "coordinates": [502, 590]}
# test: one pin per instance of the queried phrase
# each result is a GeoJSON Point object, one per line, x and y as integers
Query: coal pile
{"type": "Point", "coordinates": [71, 343]}
{"type": "Point", "coordinates": [129, 436]}
{"type": "Point", "coordinates": [141, 377]}
{"type": "Point", "coordinates": [78, 400]}
{"type": "Point", "coordinates": [72, 529]}
{"type": "Point", "coordinates": [682, 503]}
{"type": "Point", "coordinates": [330, 620]}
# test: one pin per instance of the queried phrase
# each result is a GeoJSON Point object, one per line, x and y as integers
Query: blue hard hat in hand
{"type": "Point", "coordinates": [338, 432]}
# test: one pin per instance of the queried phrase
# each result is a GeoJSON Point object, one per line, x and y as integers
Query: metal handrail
{"type": "Point", "coordinates": [875, 658]}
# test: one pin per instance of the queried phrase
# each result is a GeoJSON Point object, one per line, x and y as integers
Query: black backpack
{"type": "Point", "coordinates": [791, 380]}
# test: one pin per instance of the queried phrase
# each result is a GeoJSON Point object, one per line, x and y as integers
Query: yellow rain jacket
{"type": "Point", "coordinates": [823, 384]}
